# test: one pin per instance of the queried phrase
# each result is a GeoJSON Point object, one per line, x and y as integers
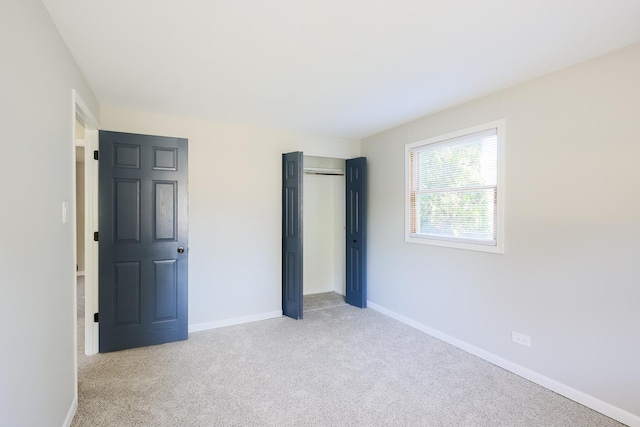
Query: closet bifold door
{"type": "Point", "coordinates": [356, 233]}
{"type": "Point", "coordinates": [292, 235]}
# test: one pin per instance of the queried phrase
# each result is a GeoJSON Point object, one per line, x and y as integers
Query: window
{"type": "Point", "coordinates": [455, 189]}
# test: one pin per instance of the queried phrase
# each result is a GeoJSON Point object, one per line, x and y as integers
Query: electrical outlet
{"type": "Point", "coordinates": [521, 339]}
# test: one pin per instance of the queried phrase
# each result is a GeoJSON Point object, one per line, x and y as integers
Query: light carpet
{"type": "Point", "coordinates": [340, 366]}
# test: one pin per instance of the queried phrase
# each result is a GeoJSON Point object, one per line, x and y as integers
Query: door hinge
{"type": "Point", "coordinates": [96, 317]}
{"type": "Point", "coordinates": [96, 236]}
{"type": "Point", "coordinates": [96, 156]}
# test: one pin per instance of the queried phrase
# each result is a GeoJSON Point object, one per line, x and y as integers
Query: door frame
{"type": "Point", "coordinates": [81, 111]}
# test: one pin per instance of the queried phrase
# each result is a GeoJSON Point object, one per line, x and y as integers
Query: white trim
{"type": "Point", "coordinates": [79, 273]}
{"type": "Point", "coordinates": [324, 156]}
{"type": "Point", "coordinates": [71, 413]}
{"type": "Point", "coordinates": [587, 400]}
{"type": "Point", "coordinates": [81, 110]}
{"type": "Point", "coordinates": [74, 264]}
{"type": "Point", "coordinates": [91, 259]}
{"type": "Point", "coordinates": [498, 248]}
{"type": "Point", "coordinates": [234, 321]}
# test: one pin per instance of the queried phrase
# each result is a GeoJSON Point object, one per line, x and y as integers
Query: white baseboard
{"type": "Point", "coordinates": [71, 413]}
{"type": "Point", "coordinates": [235, 321]}
{"type": "Point", "coordinates": [589, 401]}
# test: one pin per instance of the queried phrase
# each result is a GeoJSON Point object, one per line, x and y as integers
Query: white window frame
{"type": "Point", "coordinates": [500, 190]}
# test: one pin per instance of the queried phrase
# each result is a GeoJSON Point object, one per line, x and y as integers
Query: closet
{"type": "Point", "coordinates": [323, 229]}
{"type": "Point", "coordinates": [323, 224]}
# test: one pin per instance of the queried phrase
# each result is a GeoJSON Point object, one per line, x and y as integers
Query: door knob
{"type": "Point", "coordinates": [180, 250]}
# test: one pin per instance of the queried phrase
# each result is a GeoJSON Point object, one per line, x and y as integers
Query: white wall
{"type": "Point", "coordinates": [234, 208]}
{"type": "Point", "coordinates": [323, 213]}
{"type": "Point", "coordinates": [318, 235]}
{"type": "Point", "coordinates": [570, 276]}
{"type": "Point", "coordinates": [37, 265]}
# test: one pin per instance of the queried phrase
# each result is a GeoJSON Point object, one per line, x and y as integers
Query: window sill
{"type": "Point", "coordinates": [479, 247]}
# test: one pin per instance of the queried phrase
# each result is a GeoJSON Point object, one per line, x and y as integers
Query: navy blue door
{"type": "Point", "coordinates": [356, 232]}
{"type": "Point", "coordinates": [143, 226]}
{"type": "Point", "coordinates": [292, 235]}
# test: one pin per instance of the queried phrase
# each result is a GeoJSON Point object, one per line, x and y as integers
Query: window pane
{"type": "Point", "coordinates": [458, 214]}
{"type": "Point", "coordinates": [462, 162]}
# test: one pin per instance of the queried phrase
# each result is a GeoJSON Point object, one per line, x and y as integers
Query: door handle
{"type": "Point", "coordinates": [180, 250]}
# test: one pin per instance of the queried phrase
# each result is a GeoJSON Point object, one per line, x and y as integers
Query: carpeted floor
{"type": "Point", "coordinates": [321, 301]}
{"type": "Point", "coordinates": [340, 366]}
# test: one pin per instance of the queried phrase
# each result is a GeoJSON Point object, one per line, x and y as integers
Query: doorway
{"type": "Point", "coordinates": [351, 230]}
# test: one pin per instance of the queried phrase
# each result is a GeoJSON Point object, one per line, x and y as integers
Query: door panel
{"type": "Point", "coordinates": [166, 283]}
{"type": "Point", "coordinates": [127, 290]}
{"type": "Point", "coordinates": [127, 210]}
{"type": "Point", "coordinates": [292, 304]}
{"type": "Point", "coordinates": [143, 221]}
{"type": "Point", "coordinates": [356, 233]}
{"type": "Point", "coordinates": [165, 221]}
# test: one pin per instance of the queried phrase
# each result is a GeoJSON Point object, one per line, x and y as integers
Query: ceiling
{"type": "Point", "coordinates": [339, 68]}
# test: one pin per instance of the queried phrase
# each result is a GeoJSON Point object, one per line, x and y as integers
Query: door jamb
{"type": "Point", "coordinates": [81, 111]}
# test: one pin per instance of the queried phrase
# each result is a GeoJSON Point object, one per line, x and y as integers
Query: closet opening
{"type": "Point", "coordinates": [323, 223]}
{"type": "Point", "coordinates": [323, 232]}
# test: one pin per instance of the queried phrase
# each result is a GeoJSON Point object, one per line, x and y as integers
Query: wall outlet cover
{"type": "Point", "coordinates": [521, 339]}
